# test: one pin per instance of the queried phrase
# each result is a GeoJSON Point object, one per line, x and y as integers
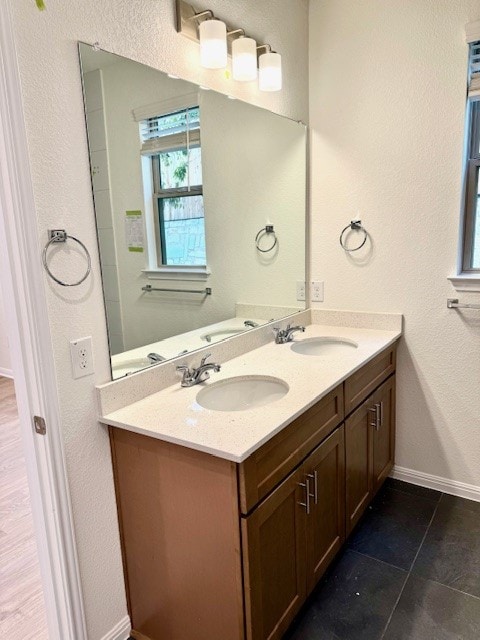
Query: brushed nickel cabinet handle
{"type": "Point", "coordinates": [314, 477]}
{"type": "Point", "coordinates": [381, 413]}
{"type": "Point", "coordinates": [306, 504]}
{"type": "Point", "coordinates": [374, 411]}
{"type": "Point", "coordinates": [377, 416]}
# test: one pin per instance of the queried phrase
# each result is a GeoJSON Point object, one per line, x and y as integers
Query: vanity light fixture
{"type": "Point", "coordinates": [270, 70]}
{"type": "Point", "coordinates": [244, 58]}
{"type": "Point", "coordinates": [217, 40]}
{"type": "Point", "coordinates": [213, 43]}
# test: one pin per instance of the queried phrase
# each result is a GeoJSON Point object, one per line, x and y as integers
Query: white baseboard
{"type": "Point", "coordinates": [120, 631]}
{"type": "Point", "coordinates": [6, 373]}
{"type": "Point", "coordinates": [454, 488]}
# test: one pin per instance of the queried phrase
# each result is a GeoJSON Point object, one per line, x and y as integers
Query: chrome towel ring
{"type": "Point", "coordinates": [267, 230]}
{"type": "Point", "coordinates": [60, 235]}
{"type": "Point", "coordinates": [355, 225]}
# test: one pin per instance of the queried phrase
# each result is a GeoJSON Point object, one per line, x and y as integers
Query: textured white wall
{"type": "Point", "coordinates": [387, 101]}
{"type": "Point", "coordinates": [5, 364]}
{"type": "Point", "coordinates": [48, 62]}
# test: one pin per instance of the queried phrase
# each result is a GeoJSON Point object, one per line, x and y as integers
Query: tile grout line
{"type": "Point", "coordinates": [388, 564]}
{"type": "Point", "coordinates": [410, 570]}
{"type": "Point", "coordinates": [447, 586]}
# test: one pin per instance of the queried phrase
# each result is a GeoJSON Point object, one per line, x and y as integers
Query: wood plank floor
{"type": "Point", "coordinates": [22, 612]}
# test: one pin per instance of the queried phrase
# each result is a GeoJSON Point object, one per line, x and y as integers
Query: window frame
{"type": "Point", "coordinates": [470, 202]}
{"type": "Point", "coordinates": [154, 269]}
{"type": "Point", "coordinates": [472, 176]}
{"type": "Point", "coordinates": [158, 194]}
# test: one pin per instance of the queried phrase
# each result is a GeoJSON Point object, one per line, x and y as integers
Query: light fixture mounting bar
{"type": "Point", "coordinates": [187, 23]}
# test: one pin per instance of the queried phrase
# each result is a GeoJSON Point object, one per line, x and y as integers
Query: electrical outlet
{"type": "Point", "coordinates": [317, 291]}
{"type": "Point", "coordinates": [81, 353]}
{"type": "Point", "coordinates": [300, 290]}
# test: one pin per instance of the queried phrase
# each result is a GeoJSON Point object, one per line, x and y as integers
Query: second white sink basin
{"type": "Point", "coordinates": [241, 393]}
{"type": "Point", "coordinates": [324, 346]}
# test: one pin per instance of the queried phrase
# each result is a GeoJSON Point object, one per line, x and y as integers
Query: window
{"type": "Point", "coordinates": [172, 141]}
{"type": "Point", "coordinates": [471, 235]}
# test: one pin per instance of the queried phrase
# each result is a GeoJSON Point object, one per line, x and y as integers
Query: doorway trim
{"type": "Point", "coordinates": [21, 279]}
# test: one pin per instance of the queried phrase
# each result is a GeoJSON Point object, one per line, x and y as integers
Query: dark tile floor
{"type": "Point", "coordinates": [410, 571]}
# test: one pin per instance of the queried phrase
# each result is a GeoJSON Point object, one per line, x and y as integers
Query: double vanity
{"type": "Point", "coordinates": [235, 494]}
{"type": "Point", "coordinates": [236, 490]}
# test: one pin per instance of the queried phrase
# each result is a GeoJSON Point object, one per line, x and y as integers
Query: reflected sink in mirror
{"type": "Point", "coordinates": [126, 366]}
{"type": "Point", "coordinates": [220, 334]}
{"type": "Point", "coordinates": [242, 393]}
{"type": "Point", "coordinates": [324, 346]}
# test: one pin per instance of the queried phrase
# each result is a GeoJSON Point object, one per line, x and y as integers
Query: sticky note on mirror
{"type": "Point", "coordinates": [134, 234]}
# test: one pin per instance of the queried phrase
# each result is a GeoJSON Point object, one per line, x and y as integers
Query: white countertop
{"type": "Point", "coordinates": [174, 415]}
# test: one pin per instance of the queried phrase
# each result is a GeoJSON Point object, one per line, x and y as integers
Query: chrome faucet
{"type": "Point", "coordinates": [197, 374]}
{"type": "Point", "coordinates": [286, 335]}
{"type": "Point", "coordinates": [250, 323]}
{"type": "Point", "coordinates": [153, 358]}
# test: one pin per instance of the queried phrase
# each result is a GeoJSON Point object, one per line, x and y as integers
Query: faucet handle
{"type": "Point", "coordinates": [204, 359]}
{"type": "Point", "coordinates": [183, 368]}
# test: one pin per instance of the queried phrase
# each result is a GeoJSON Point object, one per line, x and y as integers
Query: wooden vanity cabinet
{"type": "Point", "coordinates": [215, 550]}
{"type": "Point", "coordinates": [325, 530]}
{"type": "Point", "coordinates": [274, 560]}
{"type": "Point", "coordinates": [291, 537]}
{"type": "Point", "coordinates": [369, 449]}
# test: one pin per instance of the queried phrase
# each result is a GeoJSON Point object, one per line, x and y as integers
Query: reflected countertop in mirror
{"type": "Point", "coordinates": [193, 192]}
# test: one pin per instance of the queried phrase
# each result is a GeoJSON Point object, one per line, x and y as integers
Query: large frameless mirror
{"type": "Point", "coordinates": [200, 210]}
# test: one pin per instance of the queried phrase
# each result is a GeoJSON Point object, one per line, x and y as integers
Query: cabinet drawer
{"type": "Point", "coordinates": [361, 383]}
{"type": "Point", "coordinates": [265, 468]}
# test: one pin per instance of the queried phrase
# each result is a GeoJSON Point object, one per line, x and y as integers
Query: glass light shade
{"type": "Point", "coordinates": [244, 59]}
{"type": "Point", "coordinates": [270, 72]}
{"type": "Point", "coordinates": [213, 44]}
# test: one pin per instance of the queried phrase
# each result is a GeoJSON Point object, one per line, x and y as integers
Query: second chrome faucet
{"type": "Point", "coordinates": [195, 375]}
{"type": "Point", "coordinates": [286, 335]}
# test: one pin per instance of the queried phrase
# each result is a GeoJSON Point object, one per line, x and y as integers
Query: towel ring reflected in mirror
{"type": "Point", "coordinates": [58, 236]}
{"type": "Point", "coordinates": [267, 230]}
{"type": "Point", "coordinates": [355, 225]}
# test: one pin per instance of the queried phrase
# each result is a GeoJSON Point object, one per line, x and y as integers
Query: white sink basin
{"type": "Point", "coordinates": [241, 393]}
{"type": "Point", "coordinates": [324, 346]}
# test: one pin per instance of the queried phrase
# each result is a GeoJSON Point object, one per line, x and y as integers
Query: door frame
{"type": "Point", "coordinates": [22, 283]}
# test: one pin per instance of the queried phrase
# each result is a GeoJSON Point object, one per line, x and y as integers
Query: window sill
{"type": "Point", "coordinates": [466, 282]}
{"type": "Point", "coordinates": [178, 273]}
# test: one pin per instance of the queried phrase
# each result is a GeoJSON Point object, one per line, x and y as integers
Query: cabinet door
{"type": "Point", "coordinates": [273, 541]}
{"type": "Point", "coordinates": [359, 461]}
{"type": "Point", "coordinates": [384, 432]}
{"type": "Point", "coordinates": [325, 525]}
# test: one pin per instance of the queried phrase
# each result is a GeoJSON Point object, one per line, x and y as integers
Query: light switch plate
{"type": "Point", "coordinates": [81, 353]}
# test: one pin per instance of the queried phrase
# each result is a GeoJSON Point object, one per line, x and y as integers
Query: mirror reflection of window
{"type": "Point", "coordinates": [172, 141]}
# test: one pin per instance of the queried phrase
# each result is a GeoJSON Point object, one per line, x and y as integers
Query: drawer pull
{"type": "Point", "coordinates": [306, 504]}
{"type": "Point", "coordinates": [375, 421]}
{"type": "Point", "coordinates": [381, 413]}
{"type": "Point", "coordinates": [314, 477]}
{"type": "Point", "coordinates": [377, 416]}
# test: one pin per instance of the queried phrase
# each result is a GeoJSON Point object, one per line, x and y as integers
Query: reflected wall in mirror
{"type": "Point", "coordinates": [183, 180]}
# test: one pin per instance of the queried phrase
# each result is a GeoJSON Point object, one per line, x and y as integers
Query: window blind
{"type": "Point", "coordinates": [474, 72]}
{"type": "Point", "coordinates": [171, 131]}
